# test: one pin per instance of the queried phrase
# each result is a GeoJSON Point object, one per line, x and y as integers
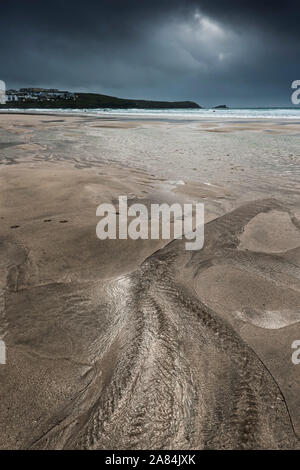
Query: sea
{"type": "Point", "coordinates": [232, 113]}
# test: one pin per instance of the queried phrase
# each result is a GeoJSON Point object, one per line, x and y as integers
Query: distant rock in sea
{"type": "Point", "coordinates": [221, 106]}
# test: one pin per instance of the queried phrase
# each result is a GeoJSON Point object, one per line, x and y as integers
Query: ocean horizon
{"type": "Point", "coordinates": [188, 113]}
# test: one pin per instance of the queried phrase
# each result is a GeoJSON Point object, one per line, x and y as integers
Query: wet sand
{"type": "Point", "coordinates": [124, 344]}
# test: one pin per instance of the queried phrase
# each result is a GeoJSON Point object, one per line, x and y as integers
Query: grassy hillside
{"type": "Point", "coordinates": [93, 100]}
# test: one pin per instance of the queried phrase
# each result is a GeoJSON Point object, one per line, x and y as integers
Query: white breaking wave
{"type": "Point", "coordinates": [241, 113]}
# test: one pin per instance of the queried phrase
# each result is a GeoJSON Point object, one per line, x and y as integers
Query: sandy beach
{"type": "Point", "coordinates": [141, 344]}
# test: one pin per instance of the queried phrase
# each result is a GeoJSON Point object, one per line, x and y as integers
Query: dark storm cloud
{"type": "Point", "coordinates": [208, 51]}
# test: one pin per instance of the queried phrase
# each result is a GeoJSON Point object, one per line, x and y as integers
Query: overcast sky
{"type": "Point", "coordinates": [242, 53]}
